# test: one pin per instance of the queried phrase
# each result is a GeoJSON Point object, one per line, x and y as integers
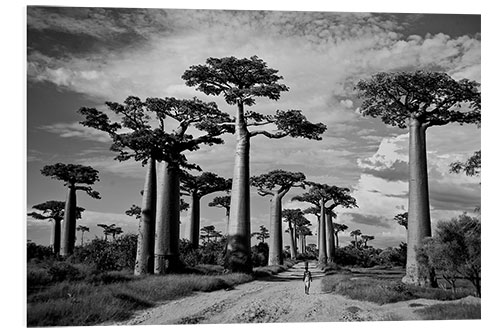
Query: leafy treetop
{"type": "Point", "coordinates": [402, 219]}
{"type": "Point", "coordinates": [241, 81]}
{"type": "Point", "coordinates": [74, 174]}
{"type": "Point", "coordinates": [277, 182]}
{"type": "Point", "coordinates": [223, 202]}
{"type": "Point", "coordinates": [135, 137]}
{"type": "Point", "coordinates": [53, 210]}
{"type": "Point", "coordinates": [332, 196]}
{"type": "Point", "coordinates": [471, 167]}
{"type": "Point", "coordinates": [206, 183]}
{"type": "Point", "coordinates": [433, 98]}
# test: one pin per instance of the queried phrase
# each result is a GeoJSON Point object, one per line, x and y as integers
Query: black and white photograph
{"type": "Point", "coordinates": [187, 166]}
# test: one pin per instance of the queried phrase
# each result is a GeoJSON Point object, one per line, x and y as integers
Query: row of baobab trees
{"type": "Point", "coordinates": [415, 100]}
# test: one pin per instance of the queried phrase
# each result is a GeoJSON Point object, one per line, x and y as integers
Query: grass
{"type": "Point", "coordinates": [450, 311]}
{"type": "Point", "coordinates": [383, 289]}
{"type": "Point", "coordinates": [114, 296]}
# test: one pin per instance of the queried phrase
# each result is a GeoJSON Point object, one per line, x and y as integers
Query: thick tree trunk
{"type": "Point", "coordinates": [276, 246]}
{"type": "Point", "coordinates": [144, 262]}
{"type": "Point", "coordinates": [167, 223]}
{"type": "Point", "coordinates": [330, 240]}
{"type": "Point", "coordinates": [293, 245]}
{"type": "Point", "coordinates": [238, 257]}
{"type": "Point", "coordinates": [322, 239]}
{"type": "Point", "coordinates": [56, 236]}
{"type": "Point", "coordinates": [336, 240]}
{"type": "Point", "coordinates": [194, 232]}
{"type": "Point", "coordinates": [419, 220]}
{"type": "Point", "coordinates": [69, 224]}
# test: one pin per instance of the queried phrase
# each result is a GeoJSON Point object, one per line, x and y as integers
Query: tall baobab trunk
{"type": "Point", "coordinates": [69, 224]}
{"type": "Point", "coordinates": [144, 262]}
{"type": "Point", "coordinates": [293, 243]}
{"type": "Point", "coordinates": [419, 220]}
{"type": "Point", "coordinates": [322, 233]}
{"type": "Point", "coordinates": [276, 246]}
{"type": "Point", "coordinates": [238, 258]}
{"type": "Point", "coordinates": [56, 236]}
{"type": "Point", "coordinates": [167, 223]}
{"type": "Point", "coordinates": [194, 233]}
{"type": "Point", "coordinates": [330, 240]}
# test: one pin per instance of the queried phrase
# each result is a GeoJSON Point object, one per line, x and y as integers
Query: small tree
{"type": "Point", "coordinates": [241, 81]}
{"type": "Point", "coordinates": [419, 100]}
{"type": "Point", "coordinates": [76, 178]}
{"type": "Point", "coordinates": [455, 250]}
{"type": "Point", "coordinates": [355, 234]}
{"type": "Point", "coordinates": [197, 187]}
{"type": "Point", "coordinates": [54, 210]}
{"type": "Point", "coordinates": [276, 184]}
{"type": "Point", "coordinates": [261, 235]}
{"type": "Point", "coordinates": [83, 229]}
{"type": "Point", "coordinates": [366, 238]}
{"type": "Point", "coordinates": [222, 202]}
{"type": "Point", "coordinates": [337, 227]}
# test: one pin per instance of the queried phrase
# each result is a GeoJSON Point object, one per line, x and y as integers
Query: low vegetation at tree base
{"type": "Point", "coordinates": [450, 311]}
{"type": "Point", "coordinates": [384, 289]}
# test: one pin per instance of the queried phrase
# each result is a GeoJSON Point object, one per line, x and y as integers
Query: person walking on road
{"type": "Point", "coordinates": [307, 278]}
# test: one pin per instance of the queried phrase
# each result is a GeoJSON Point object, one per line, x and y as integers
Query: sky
{"type": "Point", "coordinates": [86, 56]}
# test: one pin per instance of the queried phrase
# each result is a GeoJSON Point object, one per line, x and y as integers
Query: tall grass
{"type": "Point", "coordinates": [115, 296]}
{"type": "Point", "coordinates": [450, 311]}
{"type": "Point", "coordinates": [382, 291]}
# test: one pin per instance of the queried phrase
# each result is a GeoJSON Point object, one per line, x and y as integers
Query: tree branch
{"type": "Point", "coordinates": [269, 135]}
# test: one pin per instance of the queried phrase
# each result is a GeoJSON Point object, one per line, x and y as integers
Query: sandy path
{"type": "Point", "coordinates": [280, 299]}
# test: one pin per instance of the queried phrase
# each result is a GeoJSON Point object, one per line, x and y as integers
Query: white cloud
{"type": "Point", "coordinates": [76, 130]}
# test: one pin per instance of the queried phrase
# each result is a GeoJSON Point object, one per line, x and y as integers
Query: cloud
{"type": "Point", "coordinates": [372, 220]}
{"type": "Point", "coordinates": [398, 171]}
{"type": "Point", "coordinates": [76, 130]}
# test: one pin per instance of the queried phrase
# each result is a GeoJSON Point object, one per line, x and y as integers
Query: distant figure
{"type": "Point", "coordinates": [307, 278]}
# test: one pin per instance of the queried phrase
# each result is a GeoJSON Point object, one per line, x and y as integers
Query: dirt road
{"type": "Point", "coordinates": [281, 299]}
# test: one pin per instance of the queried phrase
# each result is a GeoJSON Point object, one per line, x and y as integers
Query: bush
{"type": "Point", "coordinates": [209, 253]}
{"type": "Point", "coordinates": [352, 256]}
{"type": "Point", "coordinates": [105, 255]}
{"type": "Point", "coordinates": [40, 252]}
{"type": "Point", "coordinates": [450, 312]}
{"type": "Point", "coordinates": [393, 256]}
{"type": "Point", "coordinates": [260, 254]}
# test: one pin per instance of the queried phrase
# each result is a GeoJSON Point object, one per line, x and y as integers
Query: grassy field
{"type": "Point", "coordinates": [383, 286]}
{"type": "Point", "coordinates": [110, 296]}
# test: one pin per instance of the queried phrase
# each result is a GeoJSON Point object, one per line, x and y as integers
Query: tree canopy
{"type": "Point", "coordinates": [206, 183]}
{"type": "Point", "coordinates": [74, 174]}
{"type": "Point", "coordinates": [277, 180]}
{"type": "Point", "coordinates": [53, 210]}
{"type": "Point", "coordinates": [471, 167]}
{"type": "Point", "coordinates": [433, 98]}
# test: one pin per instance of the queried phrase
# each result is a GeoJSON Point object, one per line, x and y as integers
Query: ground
{"type": "Point", "coordinates": [280, 299]}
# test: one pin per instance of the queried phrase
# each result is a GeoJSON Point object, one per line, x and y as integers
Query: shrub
{"type": "Point", "coordinates": [450, 311]}
{"type": "Point", "coordinates": [260, 254]}
{"type": "Point", "coordinates": [40, 252]}
{"type": "Point", "coordinates": [62, 271]}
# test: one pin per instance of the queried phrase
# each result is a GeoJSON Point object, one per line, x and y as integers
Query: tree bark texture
{"type": "Point", "coordinates": [194, 232]}
{"type": "Point", "coordinates": [419, 221]}
{"type": "Point", "coordinates": [69, 224]}
{"type": "Point", "coordinates": [56, 236]}
{"type": "Point", "coordinates": [330, 239]}
{"type": "Point", "coordinates": [293, 243]}
{"type": "Point", "coordinates": [276, 233]}
{"type": "Point", "coordinates": [238, 257]}
{"type": "Point", "coordinates": [144, 262]}
{"type": "Point", "coordinates": [167, 223]}
{"type": "Point", "coordinates": [322, 233]}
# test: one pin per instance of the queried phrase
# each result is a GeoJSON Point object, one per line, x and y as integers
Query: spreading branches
{"type": "Point", "coordinates": [433, 98]}
{"type": "Point", "coordinates": [471, 167]}
{"type": "Point", "coordinates": [277, 182]}
{"type": "Point", "coordinates": [74, 174]}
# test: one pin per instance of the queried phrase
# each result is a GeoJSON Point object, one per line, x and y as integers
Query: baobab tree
{"type": "Point", "coordinates": [241, 81]}
{"type": "Point", "coordinates": [337, 227]}
{"type": "Point", "coordinates": [83, 229]}
{"type": "Point", "coordinates": [222, 202]}
{"type": "Point", "coordinates": [326, 198]}
{"type": "Point", "coordinates": [302, 230]}
{"type": "Point", "coordinates": [197, 187]}
{"type": "Point", "coordinates": [137, 138]}
{"type": "Point", "coordinates": [355, 234]}
{"type": "Point", "coordinates": [262, 234]}
{"type": "Point", "coordinates": [294, 218]}
{"type": "Point", "coordinates": [54, 210]}
{"type": "Point", "coordinates": [76, 177]}
{"type": "Point", "coordinates": [419, 100]}
{"type": "Point", "coordinates": [276, 184]}
{"type": "Point", "coordinates": [209, 231]}
{"type": "Point", "coordinates": [366, 238]}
